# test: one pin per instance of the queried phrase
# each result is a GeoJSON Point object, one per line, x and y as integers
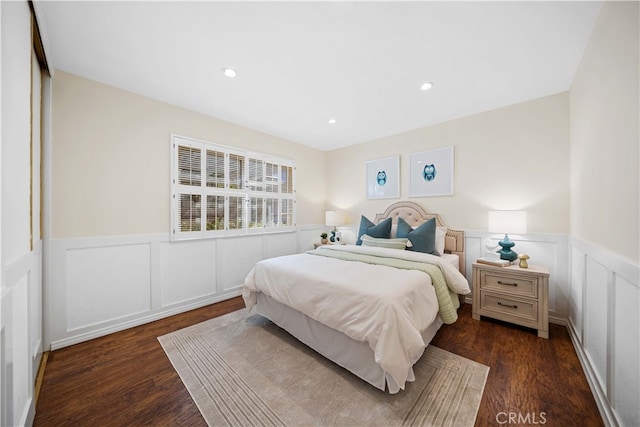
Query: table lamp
{"type": "Point", "coordinates": [335, 219]}
{"type": "Point", "coordinates": [507, 222]}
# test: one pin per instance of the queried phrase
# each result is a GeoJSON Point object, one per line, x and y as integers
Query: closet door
{"type": "Point", "coordinates": [21, 313]}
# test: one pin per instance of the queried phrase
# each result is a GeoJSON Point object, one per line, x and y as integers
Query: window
{"type": "Point", "coordinates": [217, 190]}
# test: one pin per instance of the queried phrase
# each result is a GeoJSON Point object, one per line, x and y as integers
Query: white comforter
{"type": "Point", "coordinates": [383, 306]}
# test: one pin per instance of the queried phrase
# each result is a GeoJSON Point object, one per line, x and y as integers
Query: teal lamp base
{"type": "Point", "coordinates": [506, 253]}
{"type": "Point", "coordinates": [335, 237]}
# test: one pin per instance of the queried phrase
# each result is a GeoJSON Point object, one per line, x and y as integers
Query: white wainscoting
{"type": "Point", "coordinates": [20, 337]}
{"type": "Point", "coordinates": [548, 250]}
{"type": "Point", "coordinates": [101, 285]}
{"type": "Point", "coordinates": [604, 325]}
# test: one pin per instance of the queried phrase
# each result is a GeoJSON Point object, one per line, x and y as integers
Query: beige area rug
{"type": "Point", "coordinates": [242, 370]}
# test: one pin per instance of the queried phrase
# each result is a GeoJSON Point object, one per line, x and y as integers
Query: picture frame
{"type": "Point", "coordinates": [431, 173]}
{"type": "Point", "coordinates": [383, 178]}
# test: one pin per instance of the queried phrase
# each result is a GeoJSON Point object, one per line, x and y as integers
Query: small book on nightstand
{"type": "Point", "coordinates": [494, 261]}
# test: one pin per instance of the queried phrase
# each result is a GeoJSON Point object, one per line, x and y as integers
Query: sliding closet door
{"type": "Point", "coordinates": [20, 236]}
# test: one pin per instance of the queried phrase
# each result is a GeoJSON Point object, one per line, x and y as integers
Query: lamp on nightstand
{"type": "Point", "coordinates": [507, 222]}
{"type": "Point", "coordinates": [335, 219]}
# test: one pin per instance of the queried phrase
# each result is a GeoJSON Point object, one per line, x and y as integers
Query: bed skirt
{"type": "Point", "coordinates": [355, 356]}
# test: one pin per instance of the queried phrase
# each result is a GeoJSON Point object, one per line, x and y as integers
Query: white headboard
{"type": "Point", "coordinates": [414, 215]}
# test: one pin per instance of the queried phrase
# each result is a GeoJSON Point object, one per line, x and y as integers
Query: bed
{"type": "Point", "coordinates": [370, 309]}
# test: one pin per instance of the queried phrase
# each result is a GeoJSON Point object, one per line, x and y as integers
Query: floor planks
{"type": "Point", "coordinates": [532, 381]}
{"type": "Point", "coordinates": [126, 379]}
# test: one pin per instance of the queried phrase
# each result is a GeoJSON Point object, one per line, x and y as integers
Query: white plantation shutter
{"type": "Point", "coordinates": [255, 173]}
{"type": "Point", "coordinates": [189, 212]}
{"type": "Point", "coordinates": [271, 177]}
{"type": "Point", "coordinates": [218, 191]}
{"type": "Point", "coordinates": [237, 212]}
{"type": "Point", "coordinates": [286, 179]}
{"type": "Point", "coordinates": [236, 171]}
{"type": "Point", "coordinates": [287, 195]}
{"type": "Point", "coordinates": [287, 213]}
{"type": "Point", "coordinates": [256, 213]}
{"type": "Point", "coordinates": [215, 169]}
{"type": "Point", "coordinates": [215, 213]}
{"type": "Point", "coordinates": [272, 211]}
{"type": "Point", "coordinates": [189, 165]}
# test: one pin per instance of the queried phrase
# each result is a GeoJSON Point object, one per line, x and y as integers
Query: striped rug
{"type": "Point", "coordinates": [242, 370]}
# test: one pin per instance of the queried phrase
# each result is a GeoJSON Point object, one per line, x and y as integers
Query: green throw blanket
{"type": "Point", "coordinates": [448, 301]}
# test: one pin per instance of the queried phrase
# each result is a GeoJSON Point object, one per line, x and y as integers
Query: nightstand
{"type": "Point", "coordinates": [512, 294]}
{"type": "Point", "coordinates": [317, 245]}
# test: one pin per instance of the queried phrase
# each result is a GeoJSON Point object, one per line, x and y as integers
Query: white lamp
{"type": "Point", "coordinates": [335, 219]}
{"type": "Point", "coordinates": [507, 222]}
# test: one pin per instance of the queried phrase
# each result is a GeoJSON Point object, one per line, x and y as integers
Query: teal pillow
{"type": "Point", "coordinates": [381, 230]}
{"type": "Point", "coordinates": [422, 238]}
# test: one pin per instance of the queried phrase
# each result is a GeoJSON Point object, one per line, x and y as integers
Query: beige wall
{"type": "Point", "coordinates": [511, 158]}
{"type": "Point", "coordinates": [605, 136]}
{"type": "Point", "coordinates": [111, 167]}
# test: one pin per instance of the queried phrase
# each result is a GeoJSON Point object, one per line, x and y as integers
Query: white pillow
{"type": "Point", "coordinates": [441, 233]}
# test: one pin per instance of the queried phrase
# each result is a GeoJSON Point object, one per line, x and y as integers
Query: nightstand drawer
{"type": "Point", "coordinates": [511, 283]}
{"type": "Point", "coordinates": [526, 310]}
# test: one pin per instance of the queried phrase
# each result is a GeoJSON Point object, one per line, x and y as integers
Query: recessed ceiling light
{"type": "Point", "coordinates": [332, 121]}
{"type": "Point", "coordinates": [426, 86]}
{"type": "Point", "coordinates": [229, 72]}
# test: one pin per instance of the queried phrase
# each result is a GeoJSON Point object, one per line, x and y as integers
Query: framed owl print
{"type": "Point", "coordinates": [383, 178]}
{"type": "Point", "coordinates": [431, 173]}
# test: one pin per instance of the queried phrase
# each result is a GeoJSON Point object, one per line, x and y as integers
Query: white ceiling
{"type": "Point", "coordinates": [301, 63]}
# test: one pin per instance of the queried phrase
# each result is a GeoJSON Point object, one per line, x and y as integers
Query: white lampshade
{"type": "Point", "coordinates": [508, 222]}
{"type": "Point", "coordinates": [335, 218]}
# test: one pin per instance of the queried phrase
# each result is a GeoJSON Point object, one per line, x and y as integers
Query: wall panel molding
{"type": "Point", "coordinates": [90, 277]}
{"type": "Point", "coordinates": [604, 326]}
{"type": "Point", "coordinates": [549, 250]}
{"type": "Point", "coordinates": [22, 345]}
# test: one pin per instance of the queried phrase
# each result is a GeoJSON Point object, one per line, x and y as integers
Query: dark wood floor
{"type": "Point", "coordinates": [125, 379]}
{"type": "Point", "coordinates": [529, 376]}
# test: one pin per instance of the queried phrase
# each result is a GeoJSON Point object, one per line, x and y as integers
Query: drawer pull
{"type": "Point", "coordinates": [500, 282]}
{"type": "Point", "coordinates": [507, 305]}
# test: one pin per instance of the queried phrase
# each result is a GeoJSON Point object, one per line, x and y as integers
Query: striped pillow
{"type": "Point", "coordinates": [384, 243]}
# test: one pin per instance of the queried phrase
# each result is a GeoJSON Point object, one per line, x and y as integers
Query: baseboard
{"type": "Point", "coordinates": [141, 320]}
{"type": "Point", "coordinates": [558, 321]}
{"type": "Point", "coordinates": [606, 412]}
